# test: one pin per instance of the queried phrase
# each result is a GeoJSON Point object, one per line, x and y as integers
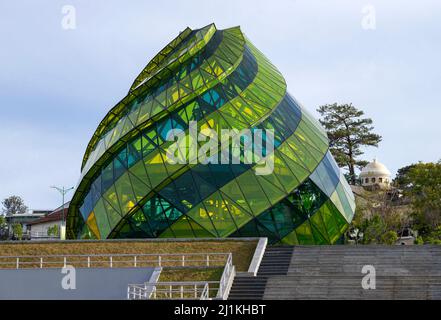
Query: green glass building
{"type": "Point", "coordinates": [217, 78]}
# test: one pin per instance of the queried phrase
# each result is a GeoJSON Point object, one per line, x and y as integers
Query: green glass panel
{"type": "Point", "coordinates": [347, 210]}
{"type": "Point", "coordinates": [200, 214]}
{"type": "Point", "coordinates": [127, 126]}
{"type": "Point", "coordinates": [116, 133]}
{"type": "Point", "coordinates": [145, 112]}
{"type": "Point", "coordinates": [207, 74]}
{"type": "Point", "coordinates": [247, 112]}
{"type": "Point", "coordinates": [339, 219]}
{"type": "Point", "coordinates": [315, 126]}
{"type": "Point", "coordinates": [299, 171]}
{"type": "Point", "coordinates": [272, 178]}
{"type": "Point", "coordinates": [239, 215]}
{"type": "Point", "coordinates": [181, 229]}
{"type": "Point", "coordinates": [199, 231]}
{"type": "Point", "coordinates": [112, 198]}
{"type": "Point", "coordinates": [234, 192]}
{"type": "Point", "coordinates": [113, 215]}
{"type": "Point", "coordinates": [140, 190]}
{"type": "Point", "coordinates": [234, 123]}
{"type": "Point", "coordinates": [139, 221]}
{"type": "Point", "coordinates": [262, 85]}
{"type": "Point", "coordinates": [336, 201]}
{"type": "Point", "coordinates": [156, 170]}
{"type": "Point", "coordinates": [317, 223]}
{"type": "Point", "coordinates": [316, 154]}
{"type": "Point", "coordinates": [304, 156]}
{"type": "Point", "coordinates": [220, 216]}
{"type": "Point", "coordinates": [186, 82]}
{"type": "Point", "coordinates": [125, 193]}
{"type": "Point", "coordinates": [283, 173]}
{"type": "Point", "coordinates": [101, 219]}
{"type": "Point", "coordinates": [133, 115]}
{"type": "Point", "coordinates": [168, 233]}
{"type": "Point", "coordinates": [138, 170]}
{"type": "Point", "coordinates": [318, 236]}
{"type": "Point", "coordinates": [304, 233]}
{"type": "Point", "coordinates": [273, 193]}
{"type": "Point", "coordinates": [86, 233]}
{"type": "Point", "coordinates": [320, 142]}
{"type": "Point", "coordinates": [253, 110]}
{"type": "Point", "coordinates": [229, 111]}
{"type": "Point", "coordinates": [261, 96]}
{"type": "Point", "coordinates": [290, 239]}
{"type": "Point", "coordinates": [197, 80]}
{"type": "Point", "coordinates": [253, 193]}
{"type": "Point", "coordinates": [329, 222]}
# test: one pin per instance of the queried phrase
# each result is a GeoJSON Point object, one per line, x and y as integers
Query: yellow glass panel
{"type": "Point", "coordinates": [91, 223]}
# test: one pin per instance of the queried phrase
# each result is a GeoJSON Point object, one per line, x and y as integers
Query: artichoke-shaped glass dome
{"type": "Point", "coordinates": [215, 79]}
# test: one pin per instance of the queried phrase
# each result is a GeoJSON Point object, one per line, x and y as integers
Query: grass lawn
{"type": "Point", "coordinates": [242, 250]}
{"type": "Point", "coordinates": [188, 274]}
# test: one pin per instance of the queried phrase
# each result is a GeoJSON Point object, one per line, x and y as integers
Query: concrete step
{"type": "Point", "coordinates": [276, 261]}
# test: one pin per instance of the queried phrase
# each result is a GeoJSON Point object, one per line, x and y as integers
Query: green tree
{"type": "Point", "coordinates": [424, 191]}
{"type": "Point", "coordinates": [2, 222]}
{"type": "Point", "coordinates": [389, 237]}
{"type": "Point", "coordinates": [13, 205]}
{"type": "Point", "coordinates": [53, 231]}
{"type": "Point", "coordinates": [374, 229]}
{"type": "Point", "coordinates": [3, 227]}
{"type": "Point", "coordinates": [17, 230]}
{"type": "Point", "coordinates": [401, 180]}
{"type": "Point", "coordinates": [377, 218]}
{"type": "Point", "coordinates": [348, 132]}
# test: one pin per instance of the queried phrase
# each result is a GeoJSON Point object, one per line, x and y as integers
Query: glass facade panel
{"type": "Point", "coordinates": [219, 80]}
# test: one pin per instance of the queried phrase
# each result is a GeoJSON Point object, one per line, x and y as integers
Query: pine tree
{"type": "Point", "coordinates": [348, 132]}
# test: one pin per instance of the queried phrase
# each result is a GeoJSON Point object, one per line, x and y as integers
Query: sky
{"type": "Point", "coordinates": [57, 84]}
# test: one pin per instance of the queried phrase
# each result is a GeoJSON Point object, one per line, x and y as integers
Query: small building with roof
{"type": "Point", "coordinates": [38, 229]}
{"type": "Point", "coordinates": [375, 174]}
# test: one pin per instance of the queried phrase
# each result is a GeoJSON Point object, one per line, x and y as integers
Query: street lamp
{"type": "Point", "coordinates": [63, 192]}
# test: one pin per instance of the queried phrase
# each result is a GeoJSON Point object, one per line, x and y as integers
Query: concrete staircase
{"type": "Point", "coordinates": [334, 272]}
{"type": "Point", "coordinates": [275, 262]}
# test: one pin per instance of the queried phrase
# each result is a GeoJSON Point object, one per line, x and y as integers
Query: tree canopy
{"type": "Point", "coordinates": [13, 205]}
{"type": "Point", "coordinates": [424, 190]}
{"type": "Point", "coordinates": [348, 131]}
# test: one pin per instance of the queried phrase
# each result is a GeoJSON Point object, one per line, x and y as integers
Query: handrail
{"type": "Point", "coordinates": [172, 290]}
{"type": "Point", "coordinates": [205, 295]}
{"type": "Point", "coordinates": [227, 278]}
{"type": "Point", "coordinates": [115, 260]}
{"type": "Point", "coordinates": [185, 289]}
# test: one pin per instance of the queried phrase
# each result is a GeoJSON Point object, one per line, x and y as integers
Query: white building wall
{"type": "Point", "coordinates": [40, 230]}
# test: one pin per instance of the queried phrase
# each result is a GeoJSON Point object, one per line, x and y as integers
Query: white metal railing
{"type": "Point", "coordinates": [116, 260]}
{"type": "Point", "coordinates": [227, 278]}
{"type": "Point", "coordinates": [186, 290]}
{"type": "Point", "coordinates": [41, 234]}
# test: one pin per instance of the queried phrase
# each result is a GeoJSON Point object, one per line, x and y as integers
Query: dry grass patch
{"type": "Point", "coordinates": [190, 274]}
{"type": "Point", "coordinates": [242, 250]}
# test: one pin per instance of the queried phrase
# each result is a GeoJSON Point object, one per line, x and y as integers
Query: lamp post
{"type": "Point", "coordinates": [63, 192]}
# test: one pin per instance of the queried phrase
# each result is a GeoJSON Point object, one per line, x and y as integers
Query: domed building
{"type": "Point", "coordinates": [208, 81]}
{"type": "Point", "coordinates": [375, 174]}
